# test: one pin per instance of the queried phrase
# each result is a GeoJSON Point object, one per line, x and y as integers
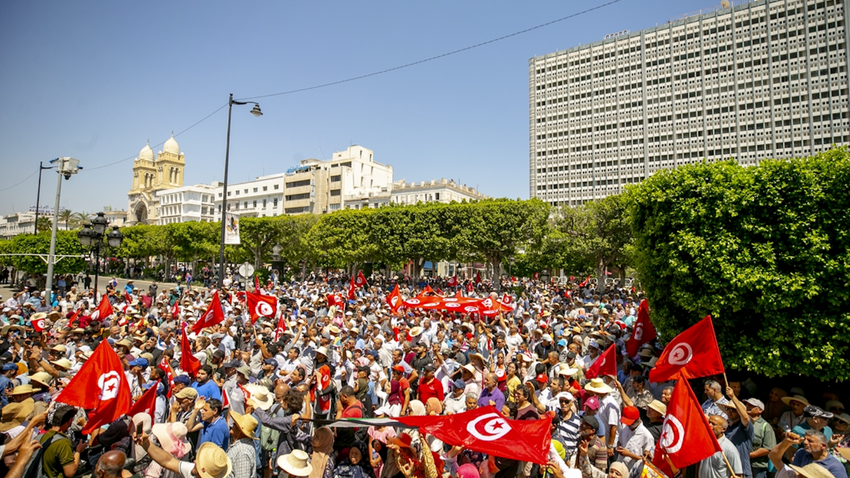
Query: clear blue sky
{"type": "Point", "coordinates": [96, 80]}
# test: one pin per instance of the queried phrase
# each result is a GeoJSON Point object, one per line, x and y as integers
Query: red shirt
{"type": "Point", "coordinates": [355, 410]}
{"type": "Point", "coordinates": [434, 388]}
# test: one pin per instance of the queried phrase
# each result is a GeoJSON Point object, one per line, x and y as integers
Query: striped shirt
{"type": "Point", "coordinates": [568, 430]}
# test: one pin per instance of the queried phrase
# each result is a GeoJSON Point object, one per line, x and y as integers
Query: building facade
{"type": "Point", "coordinates": [187, 203]}
{"type": "Point", "coordinates": [151, 176]}
{"type": "Point", "coordinates": [442, 191]}
{"type": "Point", "coordinates": [749, 80]}
{"type": "Point", "coordinates": [260, 197]}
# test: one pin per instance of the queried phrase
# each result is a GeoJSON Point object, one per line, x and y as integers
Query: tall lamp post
{"type": "Point", "coordinates": [65, 167]}
{"type": "Point", "coordinates": [91, 236]}
{"type": "Point", "coordinates": [256, 112]}
{"type": "Point", "coordinates": [41, 167]}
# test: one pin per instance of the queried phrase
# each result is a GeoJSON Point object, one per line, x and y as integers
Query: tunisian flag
{"type": "Point", "coordinates": [452, 282]}
{"type": "Point", "coordinates": [335, 299]}
{"type": "Point", "coordinates": [281, 327]}
{"type": "Point", "coordinates": [169, 374]}
{"type": "Point", "coordinates": [261, 305]}
{"type": "Point", "coordinates": [99, 386]}
{"type": "Point", "coordinates": [692, 354]}
{"type": "Point", "coordinates": [686, 436]}
{"type": "Point", "coordinates": [103, 310]}
{"type": "Point", "coordinates": [188, 362]}
{"type": "Point", "coordinates": [212, 316]}
{"type": "Point", "coordinates": [175, 309]}
{"type": "Point", "coordinates": [351, 294]}
{"type": "Point", "coordinates": [486, 430]}
{"type": "Point", "coordinates": [605, 364]}
{"type": "Point", "coordinates": [394, 299]}
{"type": "Point", "coordinates": [146, 403]}
{"type": "Point", "coordinates": [361, 279]}
{"type": "Point", "coordinates": [643, 331]}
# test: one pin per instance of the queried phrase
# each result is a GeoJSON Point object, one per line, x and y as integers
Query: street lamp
{"type": "Point", "coordinates": [91, 236]}
{"type": "Point", "coordinates": [65, 167]}
{"type": "Point", "coordinates": [256, 112]}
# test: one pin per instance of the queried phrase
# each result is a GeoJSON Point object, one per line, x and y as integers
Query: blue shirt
{"type": "Point", "coordinates": [742, 438]}
{"type": "Point", "coordinates": [215, 432]}
{"type": "Point", "coordinates": [803, 458]}
{"type": "Point", "coordinates": [208, 390]}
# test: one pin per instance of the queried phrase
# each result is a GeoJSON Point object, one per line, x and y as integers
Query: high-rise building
{"type": "Point", "coordinates": [748, 79]}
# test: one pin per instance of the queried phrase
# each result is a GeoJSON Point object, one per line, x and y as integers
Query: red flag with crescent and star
{"type": "Point", "coordinates": [188, 362]}
{"type": "Point", "coordinates": [692, 354]}
{"type": "Point", "coordinates": [146, 403]}
{"type": "Point", "coordinates": [643, 332]}
{"type": "Point", "coordinates": [335, 299]}
{"type": "Point", "coordinates": [361, 279]}
{"type": "Point", "coordinates": [352, 295]}
{"type": "Point", "coordinates": [175, 309]}
{"type": "Point", "coordinates": [169, 374]}
{"type": "Point", "coordinates": [103, 310]}
{"type": "Point", "coordinates": [686, 435]}
{"type": "Point", "coordinates": [41, 324]}
{"type": "Point", "coordinates": [469, 287]}
{"type": "Point", "coordinates": [394, 299]}
{"type": "Point", "coordinates": [261, 305]}
{"type": "Point", "coordinates": [486, 430]}
{"type": "Point", "coordinates": [452, 282]}
{"type": "Point", "coordinates": [281, 327]}
{"type": "Point", "coordinates": [213, 315]}
{"type": "Point", "coordinates": [605, 364]}
{"type": "Point", "coordinates": [99, 386]}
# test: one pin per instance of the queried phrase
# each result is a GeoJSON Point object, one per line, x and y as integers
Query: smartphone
{"type": "Point", "coordinates": [139, 429]}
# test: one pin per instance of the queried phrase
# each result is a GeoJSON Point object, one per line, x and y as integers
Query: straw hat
{"type": "Point", "coordinates": [812, 470]}
{"type": "Point", "coordinates": [64, 363]}
{"type": "Point", "coordinates": [596, 385]}
{"type": "Point", "coordinates": [22, 389]}
{"type": "Point", "coordinates": [246, 423]}
{"type": "Point", "coordinates": [658, 407]}
{"type": "Point", "coordinates": [322, 350]}
{"type": "Point", "coordinates": [416, 331]}
{"type": "Point", "coordinates": [59, 348]}
{"type": "Point", "coordinates": [43, 378]}
{"type": "Point", "coordinates": [651, 363]}
{"type": "Point", "coordinates": [170, 433]}
{"type": "Point", "coordinates": [125, 343]}
{"type": "Point", "coordinates": [261, 396]}
{"type": "Point", "coordinates": [295, 463]}
{"type": "Point", "coordinates": [795, 398]}
{"type": "Point", "coordinates": [212, 461]}
{"type": "Point", "coordinates": [38, 316]}
{"type": "Point", "coordinates": [565, 369]}
{"type": "Point", "coordinates": [14, 415]}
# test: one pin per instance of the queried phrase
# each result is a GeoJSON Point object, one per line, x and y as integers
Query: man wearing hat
{"type": "Point", "coordinates": [7, 373]}
{"type": "Point", "coordinates": [816, 419]}
{"type": "Point", "coordinates": [241, 451]}
{"type": "Point", "coordinates": [739, 430]}
{"type": "Point", "coordinates": [813, 451]}
{"type": "Point", "coordinates": [764, 438]}
{"type": "Point", "coordinates": [211, 461]}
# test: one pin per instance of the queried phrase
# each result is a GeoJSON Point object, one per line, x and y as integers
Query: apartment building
{"type": "Point", "coordinates": [747, 79]}
{"type": "Point", "coordinates": [259, 197]}
{"type": "Point", "coordinates": [186, 203]}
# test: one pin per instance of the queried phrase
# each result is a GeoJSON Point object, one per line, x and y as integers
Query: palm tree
{"type": "Point", "coordinates": [80, 218]}
{"type": "Point", "coordinates": [65, 215]}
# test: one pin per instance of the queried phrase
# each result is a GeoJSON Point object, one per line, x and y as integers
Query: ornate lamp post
{"type": "Point", "coordinates": [92, 237]}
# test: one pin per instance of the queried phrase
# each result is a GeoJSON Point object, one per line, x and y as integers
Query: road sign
{"type": "Point", "coordinates": [246, 269]}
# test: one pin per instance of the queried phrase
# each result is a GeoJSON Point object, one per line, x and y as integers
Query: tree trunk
{"type": "Point", "coordinates": [600, 276]}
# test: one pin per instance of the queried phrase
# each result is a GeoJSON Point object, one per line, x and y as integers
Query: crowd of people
{"type": "Point", "coordinates": [265, 399]}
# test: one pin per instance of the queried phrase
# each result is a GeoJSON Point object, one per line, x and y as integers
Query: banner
{"type": "Point", "coordinates": [231, 229]}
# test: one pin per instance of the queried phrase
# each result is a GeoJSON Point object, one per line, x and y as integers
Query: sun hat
{"type": "Point", "coordinates": [295, 463]}
{"type": "Point", "coordinates": [212, 461]}
{"type": "Point", "coordinates": [812, 470]}
{"type": "Point", "coordinates": [244, 370]}
{"type": "Point", "coordinates": [172, 437]}
{"type": "Point", "coordinates": [322, 351]}
{"type": "Point", "coordinates": [261, 396]}
{"type": "Point", "coordinates": [844, 417]}
{"type": "Point", "coordinates": [658, 407]}
{"type": "Point", "coordinates": [795, 398]}
{"type": "Point", "coordinates": [833, 404]}
{"type": "Point", "coordinates": [22, 389]}
{"type": "Point", "coordinates": [14, 414]}
{"type": "Point", "coordinates": [469, 368]}
{"type": "Point", "coordinates": [43, 378]}
{"type": "Point", "coordinates": [59, 348]}
{"type": "Point", "coordinates": [246, 423]}
{"type": "Point", "coordinates": [596, 385]}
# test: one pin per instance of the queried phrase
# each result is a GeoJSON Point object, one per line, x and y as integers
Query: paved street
{"type": "Point", "coordinates": [6, 291]}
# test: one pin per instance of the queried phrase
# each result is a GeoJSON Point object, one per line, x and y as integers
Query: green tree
{"type": "Point", "coordinates": [43, 224]}
{"type": "Point", "coordinates": [66, 244]}
{"type": "Point", "coordinates": [65, 216]}
{"type": "Point", "coordinates": [343, 238]}
{"type": "Point", "coordinates": [764, 250]}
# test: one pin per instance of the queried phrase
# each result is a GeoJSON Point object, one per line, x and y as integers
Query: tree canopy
{"type": "Point", "coordinates": [765, 250]}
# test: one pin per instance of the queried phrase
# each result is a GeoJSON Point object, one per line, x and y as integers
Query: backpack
{"type": "Point", "coordinates": [269, 436]}
{"type": "Point", "coordinates": [35, 468]}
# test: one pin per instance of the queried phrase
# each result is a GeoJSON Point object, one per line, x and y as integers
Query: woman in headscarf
{"type": "Point", "coordinates": [433, 407]}
{"type": "Point", "coordinates": [322, 458]}
{"type": "Point", "coordinates": [353, 463]}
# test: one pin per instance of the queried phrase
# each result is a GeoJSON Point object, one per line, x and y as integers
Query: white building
{"type": "Point", "coordinates": [443, 191]}
{"type": "Point", "coordinates": [260, 197]}
{"type": "Point", "coordinates": [749, 80]}
{"type": "Point", "coordinates": [186, 203]}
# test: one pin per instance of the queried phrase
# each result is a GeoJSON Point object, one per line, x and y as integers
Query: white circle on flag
{"type": "Point", "coordinates": [40, 324]}
{"type": "Point", "coordinates": [672, 434]}
{"type": "Point", "coordinates": [95, 315]}
{"type": "Point", "coordinates": [470, 308]}
{"type": "Point", "coordinates": [413, 301]}
{"type": "Point", "coordinates": [496, 427]}
{"type": "Point", "coordinates": [488, 302]}
{"type": "Point", "coordinates": [452, 304]}
{"type": "Point", "coordinates": [263, 309]}
{"type": "Point", "coordinates": [681, 354]}
{"type": "Point", "coordinates": [638, 332]}
{"type": "Point", "coordinates": [109, 383]}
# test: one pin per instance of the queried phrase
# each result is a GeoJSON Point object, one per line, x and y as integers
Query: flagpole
{"type": "Point", "coordinates": [731, 471]}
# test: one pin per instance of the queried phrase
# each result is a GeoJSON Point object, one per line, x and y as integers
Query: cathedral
{"type": "Point", "coordinates": [151, 176]}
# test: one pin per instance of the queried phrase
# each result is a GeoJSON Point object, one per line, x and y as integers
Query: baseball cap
{"type": "Point", "coordinates": [233, 363]}
{"type": "Point", "coordinates": [592, 403]}
{"type": "Point", "coordinates": [9, 366]}
{"type": "Point", "coordinates": [459, 383]}
{"type": "Point", "coordinates": [592, 422]}
{"type": "Point", "coordinates": [398, 368]}
{"type": "Point", "coordinates": [430, 368]}
{"type": "Point", "coordinates": [139, 362]}
{"type": "Point", "coordinates": [816, 412]}
{"type": "Point", "coordinates": [542, 378]}
{"type": "Point", "coordinates": [184, 379]}
{"type": "Point", "coordinates": [562, 343]}
{"type": "Point", "coordinates": [755, 402]}
{"type": "Point", "coordinates": [187, 392]}
{"type": "Point", "coordinates": [630, 415]}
